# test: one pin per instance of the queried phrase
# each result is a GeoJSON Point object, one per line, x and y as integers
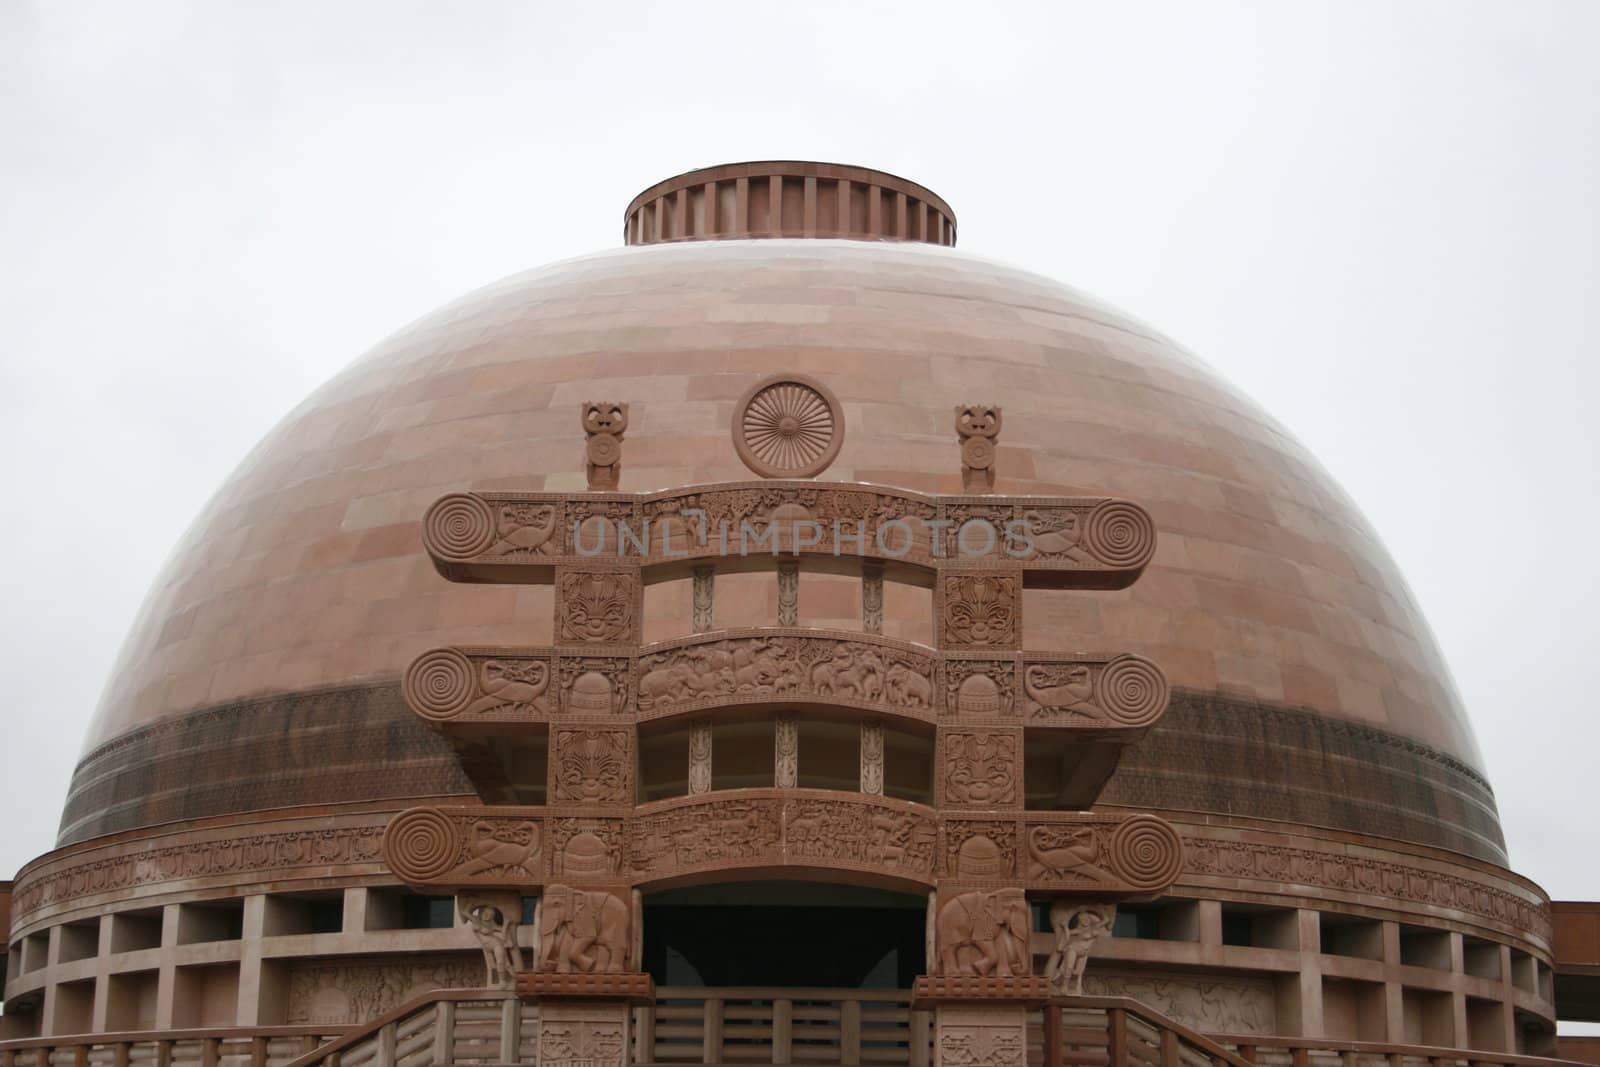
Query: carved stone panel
{"type": "Point", "coordinates": [984, 932]}
{"type": "Point", "coordinates": [1201, 1002]}
{"type": "Point", "coordinates": [1136, 853]}
{"type": "Point", "coordinates": [762, 666]}
{"type": "Point", "coordinates": [700, 757]}
{"type": "Point", "coordinates": [347, 992]}
{"type": "Point", "coordinates": [980, 850]}
{"type": "Point", "coordinates": [448, 684]}
{"type": "Point", "coordinates": [597, 606]}
{"type": "Point", "coordinates": [853, 834]}
{"type": "Point", "coordinates": [726, 831]}
{"type": "Point", "coordinates": [979, 688]}
{"type": "Point", "coordinates": [587, 850]}
{"type": "Point", "coordinates": [872, 598]}
{"type": "Point", "coordinates": [987, 1036]}
{"type": "Point", "coordinates": [594, 685]}
{"type": "Point", "coordinates": [788, 426]}
{"type": "Point", "coordinates": [466, 847]}
{"type": "Point", "coordinates": [788, 594]}
{"type": "Point", "coordinates": [705, 598]}
{"type": "Point", "coordinates": [786, 753]}
{"type": "Point", "coordinates": [591, 765]}
{"type": "Point", "coordinates": [1128, 692]}
{"type": "Point", "coordinates": [585, 931]}
{"type": "Point", "coordinates": [979, 610]}
{"type": "Point", "coordinates": [980, 768]}
{"type": "Point", "coordinates": [465, 526]}
{"type": "Point", "coordinates": [578, 1034]}
{"type": "Point", "coordinates": [871, 749]}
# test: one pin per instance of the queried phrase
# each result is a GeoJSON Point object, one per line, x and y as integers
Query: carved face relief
{"type": "Point", "coordinates": [597, 607]}
{"type": "Point", "coordinates": [592, 766]}
{"type": "Point", "coordinates": [980, 610]}
{"type": "Point", "coordinates": [981, 768]}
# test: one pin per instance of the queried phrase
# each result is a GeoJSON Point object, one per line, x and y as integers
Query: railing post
{"type": "Point", "coordinates": [1052, 1035]}
{"type": "Point", "coordinates": [386, 1043]}
{"type": "Point", "coordinates": [782, 1030]}
{"type": "Point", "coordinates": [921, 1036]}
{"type": "Point", "coordinates": [711, 1032]}
{"type": "Point", "coordinates": [444, 1032]}
{"type": "Point", "coordinates": [510, 1029]}
{"type": "Point", "coordinates": [8, 1058]}
{"type": "Point", "coordinates": [258, 1052]}
{"type": "Point", "coordinates": [850, 1032]}
{"type": "Point", "coordinates": [1247, 1053]}
{"type": "Point", "coordinates": [644, 1033]}
{"type": "Point", "coordinates": [1117, 1038]}
{"type": "Point", "coordinates": [163, 1053]}
{"type": "Point", "coordinates": [1169, 1048]}
{"type": "Point", "coordinates": [1396, 1060]}
{"type": "Point", "coordinates": [210, 1051]}
{"type": "Point", "coordinates": [1347, 1058]}
{"type": "Point", "coordinates": [120, 1054]}
{"type": "Point", "coordinates": [1302, 1056]}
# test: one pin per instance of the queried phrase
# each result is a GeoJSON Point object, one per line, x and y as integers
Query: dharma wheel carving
{"type": "Point", "coordinates": [788, 426]}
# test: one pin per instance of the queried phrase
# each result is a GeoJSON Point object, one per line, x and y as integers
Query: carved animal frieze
{"type": "Point", "coordinates": [466, 846]}
{"type": "Point", "coordinates": [984, 933]}
{"type": "Point", "coordinates": [604, 422]}
{"type": "Point", "coordinates": [584, 931]}
{"type": "Point", "coordinates": [785, 667]}
{"type": "Point", "coordinates": [598, 606]}
{"type": "Point", "coordinates": [979, 610]}
{"type": "Point", "coordinates": [449, 683]}
{"type": "Point", "coordinates": [981, 768]}
{"type": "Point", "coordinates": [592, 765]}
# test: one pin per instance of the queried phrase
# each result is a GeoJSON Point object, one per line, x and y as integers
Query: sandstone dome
{"type": "Point", "coordinates": [263, 669]}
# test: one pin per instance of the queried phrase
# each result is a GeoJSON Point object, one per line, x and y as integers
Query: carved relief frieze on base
{"type": "Point", "coordinates": [354, 991]}
{"type": "Point", "coordinates": [583, 1033]}
{"type": "Point", "coordinates": [980, 1035]}
{"type": "Point", "coordinates": [1213, 1005]}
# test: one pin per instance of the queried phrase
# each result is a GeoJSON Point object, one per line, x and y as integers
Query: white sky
{"type": "Point", "coordinates": [1378, 219]}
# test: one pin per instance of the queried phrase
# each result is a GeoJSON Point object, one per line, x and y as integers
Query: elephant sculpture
{"type": "Point", "coordinates": [985, 934]}
{"type": "Point", "coordinates": [583, 931]}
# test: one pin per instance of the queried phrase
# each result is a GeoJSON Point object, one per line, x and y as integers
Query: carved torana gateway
{"type": "Point", "coordinates": [976, 850]}
{"type": "Point", "coordinates": [771, 610]}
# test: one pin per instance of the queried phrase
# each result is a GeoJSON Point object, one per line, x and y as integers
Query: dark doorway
{"type": "Point", "coordinates": [784, 934]}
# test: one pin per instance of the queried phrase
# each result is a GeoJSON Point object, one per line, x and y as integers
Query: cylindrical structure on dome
{"type": "Point", "coordinates": [384, 665]}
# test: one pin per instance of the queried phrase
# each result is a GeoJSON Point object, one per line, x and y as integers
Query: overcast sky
{"type": "Point", "coordinates": [1378, 219]}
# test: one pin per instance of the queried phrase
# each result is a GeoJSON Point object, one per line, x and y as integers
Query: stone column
{"type": "Point", "coordinates": [786, 753]}
{"type": "Point", "coordinates": [872, 598]}
{"type": "Point", "coordinates": [705, 593]}
{"type": "Point", "coordinates": [872, 757]}
{"type": "Point", "coordinates": [586, 993]}
{"type": "Point", "coordinates": [700, 757]}
{"type": "Point", "coordinates": [788, 594]}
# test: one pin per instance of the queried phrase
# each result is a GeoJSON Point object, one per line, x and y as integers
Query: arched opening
{"type": "Point", "coordinates": [784, 934]}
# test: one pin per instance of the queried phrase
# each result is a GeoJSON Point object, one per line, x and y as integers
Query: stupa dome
{"type": "Point", "coordinates": [1307, 687]}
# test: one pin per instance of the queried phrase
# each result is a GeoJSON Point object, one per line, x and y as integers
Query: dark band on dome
{"type": "Point", "coordinates": [1209, 753]}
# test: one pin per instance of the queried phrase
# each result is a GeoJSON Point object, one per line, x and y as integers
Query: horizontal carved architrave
{"type": "Point", "coordinates": [1111, 696]}
{"type": "Point", "coordinates": [1057, 542]}
{"type": "Point", "coordinates": [760, 831]}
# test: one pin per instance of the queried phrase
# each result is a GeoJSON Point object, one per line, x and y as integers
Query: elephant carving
{"type": "Point", "coordinates": [984, 934]}
{"type": "Point", "coordinates": [583, 931]}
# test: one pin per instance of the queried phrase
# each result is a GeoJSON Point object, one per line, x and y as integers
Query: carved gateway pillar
{"type": "Point", "coordinates": [989, 845]}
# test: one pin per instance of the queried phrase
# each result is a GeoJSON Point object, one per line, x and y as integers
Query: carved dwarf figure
{"type": "Point", "coordinates": [496, 931]}
{"type": "Point", "coordinates": [978, 426]}
{"type": "Point", "coordinates": [984, 934]}
{"type": "Point", "coordinates": [604, 422]}
{"type": "Point", "coordinates": [1077, 927]}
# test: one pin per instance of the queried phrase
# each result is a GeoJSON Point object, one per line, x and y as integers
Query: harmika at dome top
{"type": "Point", "coordinates": [1307, 686]}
